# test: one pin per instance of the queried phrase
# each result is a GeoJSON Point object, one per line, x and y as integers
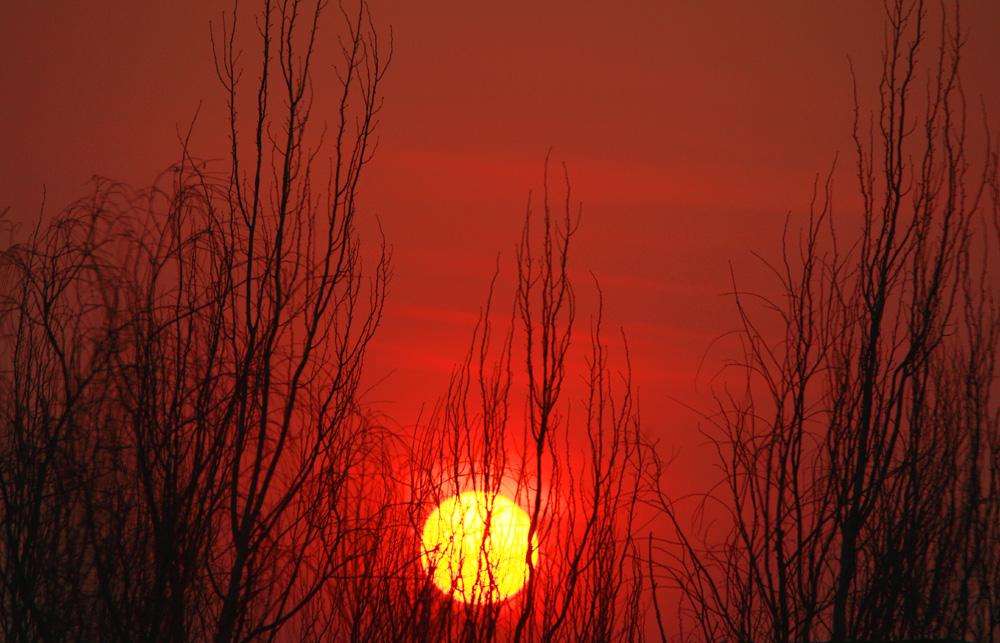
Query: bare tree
{"type": "Point", "coordinates": [579, 478]}
{"type": "Point", "coordinates": [299, 323]}
{"type": "Point", "coordinates": [181, 431]}
{"type": "Point", "coordinates": [859, 453]}
{"type": "Point", "coordinates": [185, 455]}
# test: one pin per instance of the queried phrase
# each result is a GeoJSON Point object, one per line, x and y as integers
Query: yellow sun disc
{"type": "Point", "coordinates": [475, 547]}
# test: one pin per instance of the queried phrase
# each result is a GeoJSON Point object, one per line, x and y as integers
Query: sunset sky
{"type": "Point", "coordinates": [689, 130]}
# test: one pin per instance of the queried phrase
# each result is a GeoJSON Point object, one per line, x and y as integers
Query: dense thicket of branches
{"type": "Point", "coordinates": [500, 432]}
{"type": "Point", "coordinates": [861, 453]}
{"type": "Point", "coordinates": [181, 443]}
{"type": "Point", "coordinates": [578, 473]}
{"type": "Point", "coordinates": [184, 455]}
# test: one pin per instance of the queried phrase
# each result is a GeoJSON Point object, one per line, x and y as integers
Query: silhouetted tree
{"type": "Point", "coordinates": [860, 451]}
{"type": "Point", "coordinates": [579, 476]}
{"type": "Point", "coordinates": [181, 440]}
{"type": "Point", "coordinates": [183, 452]}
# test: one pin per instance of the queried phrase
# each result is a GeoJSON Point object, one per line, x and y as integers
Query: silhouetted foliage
{"type": "Point", "coordinates": [578, 475]}
{"type": "Point", "coordinates": [185, 455]}
{"type": "Point", "coordinates": [860, 453]}
{"type": "Point", "coordinates": [181, 437]}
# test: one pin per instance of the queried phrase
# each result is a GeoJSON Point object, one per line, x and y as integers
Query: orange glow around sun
{"type": "Point", "coordinates": [475, 547]}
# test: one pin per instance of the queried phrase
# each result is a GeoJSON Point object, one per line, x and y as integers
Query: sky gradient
{"type": "Point", "coordinates": [689, 130]}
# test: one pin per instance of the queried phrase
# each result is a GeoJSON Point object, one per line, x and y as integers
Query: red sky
{"type": "Point", "coordinates": [690, 130]}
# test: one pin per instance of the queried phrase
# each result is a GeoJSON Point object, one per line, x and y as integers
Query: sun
{"type": "Point", "coordinates": [475, 547]}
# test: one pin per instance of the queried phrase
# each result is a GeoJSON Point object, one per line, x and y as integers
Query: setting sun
{"type": "Point", "coordinates": [475, 547]}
